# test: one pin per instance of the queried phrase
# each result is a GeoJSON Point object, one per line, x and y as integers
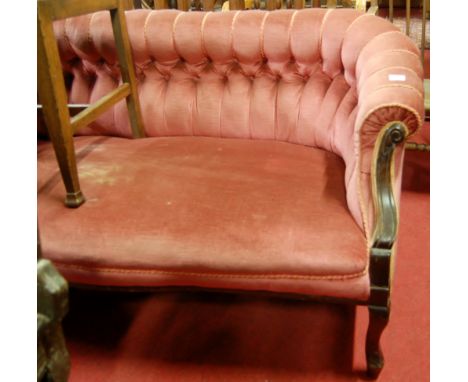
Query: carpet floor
{"type": "Point", "coordinates": [218, 337]}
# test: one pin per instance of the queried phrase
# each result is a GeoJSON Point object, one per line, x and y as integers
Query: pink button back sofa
{"type": "Point", "coordinates": [272, 159]}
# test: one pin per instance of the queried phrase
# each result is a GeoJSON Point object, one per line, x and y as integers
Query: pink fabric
{"type": "Point", "coordinates": [313, 77]}
{"type": "Point", "coordinates": [208, 212]}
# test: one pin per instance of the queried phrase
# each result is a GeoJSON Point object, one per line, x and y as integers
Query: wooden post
{"type": "Point", "coordinates": [161, 4]}
{"type": "Point", "coordinates": [208, 5]}
{"type": "Point", "coordinates": [183, 5]}
{"type": "Point", "coordinates": [315, 3]}
{"type": "Point", "coordinates": [270, 5]}
{"type": "Point", "coordinates": [423, 30]}
{"type": "Point", "coordinates": [347, 3]}
{"type": "Point", "coordinates": [331, 3]}
{"type": "Point", "coordinates": [299, 4]}
{"type": "Point", "coordinates": [124, 52]}
{"type": "Point", "coordinates": [408, 16]}
{"type": "Point", "coordinates": [390, 10]}
{"type": "Point", "coordinates": [235, 5]}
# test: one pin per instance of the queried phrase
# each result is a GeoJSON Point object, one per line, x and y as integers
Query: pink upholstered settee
{"type": "Point", "coordinates": [272, 160]}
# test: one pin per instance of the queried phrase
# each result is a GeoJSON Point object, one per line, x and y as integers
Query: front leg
{"type": "Point", "coordinates": [378, 320]}
{"type": "Point", "coordinates": [379, 308]}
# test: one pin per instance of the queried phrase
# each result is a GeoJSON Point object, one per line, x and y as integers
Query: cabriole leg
{"type": "Point", "coordinates": [378, 320]}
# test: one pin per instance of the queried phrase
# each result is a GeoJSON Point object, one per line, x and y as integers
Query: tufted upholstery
{"type": "Point", "coordinates": [321, 78]}
{"type": "Point", "coordinates": [299, 99]}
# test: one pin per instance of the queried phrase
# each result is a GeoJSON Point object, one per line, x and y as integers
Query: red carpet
{"type": "Point", "coordinates": [218, 337]}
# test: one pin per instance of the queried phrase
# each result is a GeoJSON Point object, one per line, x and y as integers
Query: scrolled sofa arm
{"type": "Point", "coordinates": [384, 66]}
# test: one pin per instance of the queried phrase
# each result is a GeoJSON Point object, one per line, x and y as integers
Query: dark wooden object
{"type": "Point", "coordinates": [380, 268]}
{"type": "Point", "coordinates": [408, 17]}
{"type": "Point", "coordinates": [236, 5]}
{"type": "Point", "coordinates": [51, 86]}
{"type": "Point", "coordinates": [208, 5]}
{"type": "Point", "coordinates": [423, 30]}
{"type": "Point", "coordinates": [161, 4]}
{"type": "Point", "coordinates": [183, 5]}
{"type": "Point", "coordinates": [295, 4]}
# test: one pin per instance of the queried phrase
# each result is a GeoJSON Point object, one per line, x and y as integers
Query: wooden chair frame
{"type": "Point", "coordinates": [381, 260]}
{"type": "Point", "coordinates": [51, 87]}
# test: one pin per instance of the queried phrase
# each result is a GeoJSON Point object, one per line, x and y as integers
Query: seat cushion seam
{"type": "Point", "coordinates": [215, 275]}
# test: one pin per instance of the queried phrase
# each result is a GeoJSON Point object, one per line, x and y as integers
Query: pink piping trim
{"type": "Point", "coordinates": [231, 35]}
{"type": "Point", "coordinates": [291, 24]}
{"type": "Point", "coordinates": [212, 275]}
{"type": "Point", "coordinates": [359, 85]}
{"type": "Point", "coordinates": [174, 24]}
{"type": "Point", "coordinates": [145, 33]}
{"type": "Point", "coordinates": [202, 35]}
{"type": "Point", "coordinates": [262, 36]}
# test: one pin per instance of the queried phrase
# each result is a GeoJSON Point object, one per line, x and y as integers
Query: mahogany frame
{"type": "Point", "coordinates": [381, 261]}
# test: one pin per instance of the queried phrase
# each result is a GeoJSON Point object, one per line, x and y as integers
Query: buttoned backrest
{"type": "Point", "coordinates": [286, 75]}
{"type": "Point", "coordinates": [270, 75]}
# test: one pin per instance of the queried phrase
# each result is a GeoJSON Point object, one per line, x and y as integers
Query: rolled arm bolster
{"type": "Point", "coordinates": [389, 84]}
{"type": "Point", "coordinates": [384, 66]}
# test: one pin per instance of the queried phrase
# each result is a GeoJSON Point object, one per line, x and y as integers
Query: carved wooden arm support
{"type": "Point", "coordinates": [386, 213]}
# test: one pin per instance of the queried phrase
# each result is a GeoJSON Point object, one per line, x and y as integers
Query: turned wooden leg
{"type": "Point", "coordinates": [378, 320]}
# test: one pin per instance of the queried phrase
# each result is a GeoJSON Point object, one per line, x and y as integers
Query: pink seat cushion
{"type": "Point", "coordinates": [209, 212]}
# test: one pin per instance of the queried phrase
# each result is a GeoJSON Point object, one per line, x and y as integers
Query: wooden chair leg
{"type": "Point", "coordinates": [378, 320]}
{"type": "Point", "coordinates": [122, 42]}
{"type": "Point", "coordinates": [54, 100]}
